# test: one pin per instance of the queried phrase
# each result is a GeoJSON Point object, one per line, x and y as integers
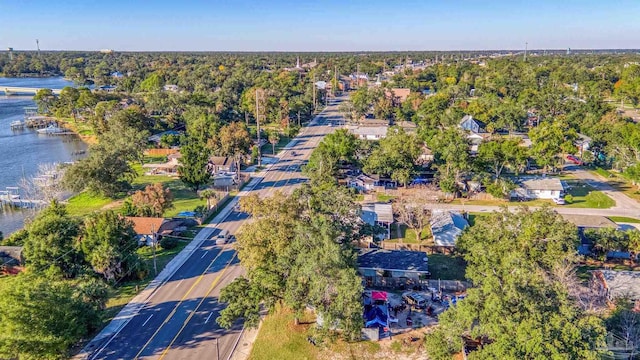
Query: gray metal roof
{"type": "Point", "coordinates": [446, 226]}
{"type": "Point", "coordinates": [377, 212]}
{"type": "Point", "coordinates": [400, 260]}
{"type": "Point", "coordinates": [622, 283]}
{"type": "Point", "coordinates": [543, 184]}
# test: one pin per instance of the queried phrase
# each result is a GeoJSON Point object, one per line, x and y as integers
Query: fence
{"type": "Point", "coordinates": [160, 152]}
{"type": "Point", "coordinates": [429, 249]}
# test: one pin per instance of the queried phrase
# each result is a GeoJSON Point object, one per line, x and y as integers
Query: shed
{"type": "Point", "coordinates": [378, 214]}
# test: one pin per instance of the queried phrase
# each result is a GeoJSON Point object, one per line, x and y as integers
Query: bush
{"type": "Point", "coordinates": [168, 242]}
{"type": "Point", "coordinates": [568, 199]}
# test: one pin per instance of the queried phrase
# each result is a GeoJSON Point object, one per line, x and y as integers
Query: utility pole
{"type": "Point", "coordinates": [526, 45]}
{"type": "Point", "coordinates": [38, 47]}
{"type": "Point", "coordinates": [153, 246]}
{"type": "Point", "coordinates": [314, 92]}
{"type": "Point", "coordinates": [258, 125]}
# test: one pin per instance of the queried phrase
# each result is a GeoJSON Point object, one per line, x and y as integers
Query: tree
{"type": "Point", "coordinates": [451, 156]}
{"type": "Point", "coordinates": [193, 163]}
{"type": "Point", "coordinates": [42, 317]}
{"type": "Point", "coordinates": [298, 251]}
{"type": "Point", "coordinates": [497, 154]}
{"type": "Point", "coordinates": [551, 140]}
{"type": "Point", "coordinates": [45, 99]}
{"type": "Point", "coordinates": [154, 200]}
{"type": "Point", "coordinates": [209, 194]}
{"type": "Point", "coordinates": [51, 240]}
{"type": "Point", "coordinates": [519, 307]}
{"type": "Point", "coordinates": [109, 244]}
{"type": "Point", "coordinates": [397, 156]}
{"type": "Point", "coordinates": [152, 83]}
{"type": "Point", "coordinates": [274, 139]}
{"type": "Point", "coordinates": [233, 140]}
{"type": "Point", "coordinates": [413, 213]}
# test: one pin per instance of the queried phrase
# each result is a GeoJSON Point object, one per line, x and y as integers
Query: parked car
{"type": "Point", "coordinates": [416, 300]}
{"type": "Point", "coordinates": [575, 160]}
{"type": "Point", "coordinates": [559, 201]}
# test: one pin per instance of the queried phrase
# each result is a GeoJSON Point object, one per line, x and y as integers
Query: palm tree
{"type": "Point", "coordinates": [209, 194]}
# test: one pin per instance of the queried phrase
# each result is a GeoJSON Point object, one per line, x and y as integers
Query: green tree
{"type": "Point", "coordinates": [497, 154]}
{"type": "Point", "coordinates": [152, 83]}
{"type": "Point", "coordinates": [519, 307]}
{"type": "Point", "coordinates": [298, 251]}
{"type": "Point", "coordinates": [274, 139]}
{"type": "Point", "coordinates": [42, 318]}
{"type": "Point", "coordinates": [46, 100]}
{"type": "Point", "coordinates": [109, 244]}
{"type": "Point", "coordinates": [50, 243]}
{"type": "Point", "coordinates": [550, 141]}
{"type": "Point", "coordinates": [397, 156]}
{"type": "Point", "coordinates": [193, 164]}
{"type": "Point", "coordinates": [233, 140]}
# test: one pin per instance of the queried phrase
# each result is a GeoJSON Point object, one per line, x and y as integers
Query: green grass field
{"type": "Point", "coordinates": [624, 219]}
{"type": "Point", "coordinates": [585, 196]}
{"type": "Point", "coordinates": [85, 203]}
{"type": "Point", "coordinates": [447, 267]}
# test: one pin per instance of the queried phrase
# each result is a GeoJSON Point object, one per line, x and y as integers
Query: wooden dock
{"type": "Point", "coordinates": [11, 197]}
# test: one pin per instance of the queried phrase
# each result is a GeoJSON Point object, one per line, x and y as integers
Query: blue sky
{"type": "Point", "coordinates": [320, 25]}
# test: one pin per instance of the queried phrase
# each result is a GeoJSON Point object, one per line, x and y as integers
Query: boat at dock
{"type": "Point", "coordinates": [17, 125]}
{"type": "Point", "coordinates": [51, 129]}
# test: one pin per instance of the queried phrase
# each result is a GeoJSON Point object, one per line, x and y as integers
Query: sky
{"type": "Point", "coordinates": [320, 25]}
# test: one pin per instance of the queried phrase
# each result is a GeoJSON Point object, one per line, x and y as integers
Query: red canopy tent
{"type": "Point", "coordinates": [379, 295]}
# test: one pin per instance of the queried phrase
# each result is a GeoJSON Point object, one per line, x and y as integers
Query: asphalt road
{"type": "Point", "coordinates": [178, 320]}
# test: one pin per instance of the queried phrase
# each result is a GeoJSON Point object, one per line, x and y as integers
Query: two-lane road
{"type": "Point", "coordinates": [177, 321]}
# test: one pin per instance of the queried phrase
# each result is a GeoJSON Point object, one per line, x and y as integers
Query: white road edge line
{"type": "Point", "coordinates": [146, 321]}
{"type": "Point", "coordinates": [208, 317]}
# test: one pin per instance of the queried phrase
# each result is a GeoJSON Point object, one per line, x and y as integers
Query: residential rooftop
{"type": "Point", "coordinates": [400, 260]}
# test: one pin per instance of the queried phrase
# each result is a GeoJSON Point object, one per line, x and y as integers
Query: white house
{"type": "Point", "coordinates": [369, 132]}
{"type": "Point", "coordinates": [362, 182]}
{"type": "Point", "coordinates": [542, 188]}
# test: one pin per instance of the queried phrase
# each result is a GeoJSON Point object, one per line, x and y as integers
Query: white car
{"type": "Point", "coordinates": [559, 201]}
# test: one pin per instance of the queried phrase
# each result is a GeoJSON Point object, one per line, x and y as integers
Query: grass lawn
{"type": "Point", "coordinates": [280, 339]}
{"type": "Point", "coordinates": [385, 197]}
{"type": "Point", "coordinates": [85, 203]}
{"type": "Point", "coordinates": [473, 217]}
{"type": "Point", "coordinates": [447, 267]}
{"type": "Point", "coordinates": [624, 219]}
{"type": "Point", "coordinates": [619, 182]}
{"type": "Point", "coordinates": [267, 149]}
{"type": "Point", "coordinates": [585, 196]}
{"type": "Point", "coordinates": [408, 236]}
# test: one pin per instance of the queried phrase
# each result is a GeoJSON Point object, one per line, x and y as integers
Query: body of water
{"type": "Point", "coordinates": [21, 151]}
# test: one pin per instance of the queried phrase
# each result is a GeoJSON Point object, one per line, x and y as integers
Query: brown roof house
{"type": "Point", "coordinates": [218, 164]}
{"type": "Point", "coordinates": [397, 95]}
{"type": "Point", "coordinates": [150, 228]}
{"type": "Point", "coordinates": [11, 259]}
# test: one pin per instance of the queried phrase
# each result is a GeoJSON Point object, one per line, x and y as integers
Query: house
{"type": "Point", "coordinates": [583, 222]}
{"type": "Point", "coordinates": [470, 124]}
{"type": "Point", "coordinates": [380, 214]}
{"type": "Point", "coordinates": [156, 137]}
{"type": "Point", "coordinates": [541, 188]}
{"type": "Point", "coordinates": [107, 88]}
{"type": "Point", "coordinates": [397, 95]}
{"type": "Point", "coordinates": [583, 142]}
{"type": "Point", "coordinates": [619, 284]}
{"type": "Point", "coordinates": [380, 267]}
{"type": "Point", "coordinates": [369, 132]}
{"type": "Point", "coordinates": [11, 259]}
{"type": "Point", "coordinates": [363, 182]}
{"type": "Point", "coordinates": [117, 75]}
{"type": "Point", "coordinates": [218, 164]}
{"type": "Point", "coordinates": [426, 156]}
{"type": "Point", "coordinates": [447, 226]}
{"type": "Point", "coordinates": [168, 168]}
{"type": "Point", "coordinates": [148, 228]}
